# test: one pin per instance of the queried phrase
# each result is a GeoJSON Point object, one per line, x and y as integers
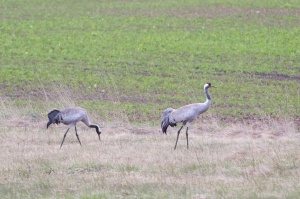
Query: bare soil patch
{"type": "Point", "coordinates": [273, 76]}
{"type": "Point", "coordinates": [269, 16]}
{"type": "Point", "coordinates": [221, 12]}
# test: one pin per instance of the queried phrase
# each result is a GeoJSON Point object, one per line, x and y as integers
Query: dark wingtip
{"type": "Point", "coordinates": [164, 127]}
{"type": "Point", "coordinates": [48, 124]}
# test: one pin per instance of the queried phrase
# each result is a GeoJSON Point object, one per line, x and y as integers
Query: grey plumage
{"type": "Point", "coordinates": [185, 114]}
{"type": "Point", "coordinates": [70, 116]}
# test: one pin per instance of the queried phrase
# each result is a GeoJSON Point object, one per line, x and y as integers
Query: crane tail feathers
{"type": "Point", "coordinates": [165, 123]}
{"type": "Point", "coordinates": [53, 117]}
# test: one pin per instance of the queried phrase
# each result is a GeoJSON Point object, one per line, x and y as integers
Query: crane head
{"type": "Point", "coordinates": [208, 85]}
{"type": "Point", "coordinates": [98, 130]}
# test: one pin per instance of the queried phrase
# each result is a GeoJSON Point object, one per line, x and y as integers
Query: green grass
{"type": "Point", "coordinates": [126, 61]}
{"type": "Point", "coordinates": [141, 57]}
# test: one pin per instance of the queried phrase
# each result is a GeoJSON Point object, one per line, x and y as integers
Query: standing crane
{"type": "Point", "coordinates": [70, 116]}
{"type": "Point", "coordinates": [185, 114]}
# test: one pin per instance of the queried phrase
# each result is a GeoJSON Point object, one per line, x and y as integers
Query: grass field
{"type": "Point", "coordinates": [125, 62]}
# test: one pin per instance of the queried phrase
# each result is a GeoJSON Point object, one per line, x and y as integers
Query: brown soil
{"type": "Point", "coordinates": [220, 12]}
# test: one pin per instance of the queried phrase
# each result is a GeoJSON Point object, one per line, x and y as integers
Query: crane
{"type": "Point", "coordinates": [70, 116]}
{"type": "Point", "coordinates": [185, 114]}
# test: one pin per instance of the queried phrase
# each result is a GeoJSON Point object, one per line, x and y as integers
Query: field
{"type": "Point", "coordinates": [125, 62]}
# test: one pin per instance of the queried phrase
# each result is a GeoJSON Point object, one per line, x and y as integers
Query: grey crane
{"type": "Point", "coordinates": [185, 114]}
{"type": "Point", "coordinates": [70, 116]}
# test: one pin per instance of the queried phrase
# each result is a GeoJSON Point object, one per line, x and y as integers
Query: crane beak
{"type": "Point", "coordinates": [214, 86]}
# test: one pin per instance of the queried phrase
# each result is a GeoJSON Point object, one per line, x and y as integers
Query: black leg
{"type": "Point", "coordinates": [77, 136]}
{"type": "Point", "coordinates": [64, 137]}
{"type": "Point", "coordinates": [187, 137]}
{"type": "Point", "coordinates": [178, 136]}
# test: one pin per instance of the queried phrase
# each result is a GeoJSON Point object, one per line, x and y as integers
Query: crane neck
{"type": "Point", "coordinates": [208, 98]}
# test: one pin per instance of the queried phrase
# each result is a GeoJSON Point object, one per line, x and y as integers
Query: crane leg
{"type": "Point", "coordinates": [77, 136]}
{"type": "Point", "coordinates": [178, 136]}
{"type": "Point", "coordinates": [187, 137]}
{"type": "Point", "coordinates": [64, 137]}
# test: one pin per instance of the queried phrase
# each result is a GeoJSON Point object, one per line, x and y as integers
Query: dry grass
{"type": "Point", "coordinates": [257, 160]}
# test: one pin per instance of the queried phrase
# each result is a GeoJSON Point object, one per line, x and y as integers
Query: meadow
{"type": "Point", "coordinates": [125, 62]}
